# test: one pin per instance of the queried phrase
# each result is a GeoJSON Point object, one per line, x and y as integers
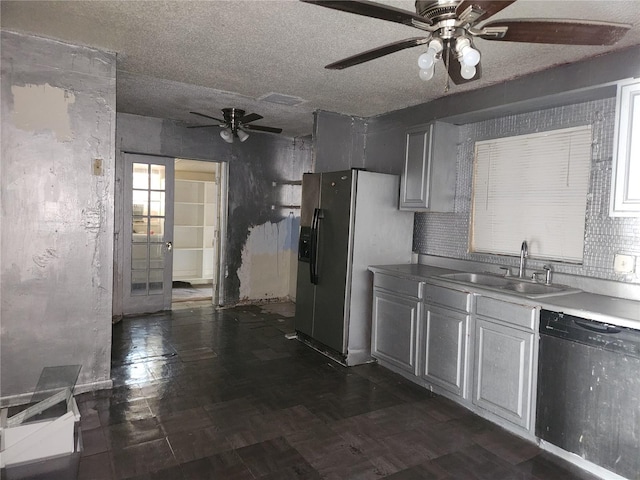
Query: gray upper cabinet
{"type": "Point", "coordinates": [625, 188]}
{"type": "Point", "coordinates": [428, 181]}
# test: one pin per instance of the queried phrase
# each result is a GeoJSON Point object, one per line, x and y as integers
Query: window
{"type": "Point", "coordinates": [534, 188]}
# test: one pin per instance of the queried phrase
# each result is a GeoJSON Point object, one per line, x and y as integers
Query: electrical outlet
{"type": "Point", "coordinates": [97, 166]}
{"type": "Point", "coordinates": [623, 263]}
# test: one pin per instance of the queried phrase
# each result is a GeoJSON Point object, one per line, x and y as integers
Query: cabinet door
{"type": "Point", "coordinates": [393, 331]}
{"type": "Point", "coordinates": [625, 189]}
{"type": "Point", "coordinates": [414, 187]}
{"type": "Point", "coordinates": [503, 376]}
{"type": "Point", "coordinates": [428, 180]}
{"type": "Point", "coordinates": [443, 352]}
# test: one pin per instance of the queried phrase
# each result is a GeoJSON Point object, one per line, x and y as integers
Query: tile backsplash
{"type": "Point", "coordinates": [447, 234]}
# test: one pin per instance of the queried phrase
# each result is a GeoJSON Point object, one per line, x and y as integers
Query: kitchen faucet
{"type": "Point", "coordinates": [524, 253]}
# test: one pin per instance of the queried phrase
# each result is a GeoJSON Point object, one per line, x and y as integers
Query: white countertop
{"type": "Point", "coordinates": [617, 311]}
{"type": "Point", "coordinates": [613, 310]}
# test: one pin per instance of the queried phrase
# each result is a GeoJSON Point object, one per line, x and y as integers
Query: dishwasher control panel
{"type": "Point", "coordinates": [590, 332]}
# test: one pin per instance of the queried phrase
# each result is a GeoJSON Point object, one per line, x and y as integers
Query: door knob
{"type": "Point", "coordinates": [169, 246]}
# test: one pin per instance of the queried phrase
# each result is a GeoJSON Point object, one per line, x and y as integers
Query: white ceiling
{"type": "Point", "coordinates": [177, 56]}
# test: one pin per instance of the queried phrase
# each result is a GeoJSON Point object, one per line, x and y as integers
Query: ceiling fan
{"type": "Point", "coordinates": [451, 26]}
{"type": "Point", "coordinates": [235, 124]}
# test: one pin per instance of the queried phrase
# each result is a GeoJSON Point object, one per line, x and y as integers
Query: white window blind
{"type": "Point", "coordinates": [534, 188]}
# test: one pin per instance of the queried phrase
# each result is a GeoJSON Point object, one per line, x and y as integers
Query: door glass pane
{"type": "Point", "coordinates": [138, 282]}
{"type": "Point", "coordinates": [156, 229]}
{"type": "Point", "coordinates": [141, 202]}
{"type": "Point", "coordinates": [157, 203]}
{"type": "Point", "coordinates": [141, 175]}
{"type": "Point", "coordinates": [139, 229]}
{"type": "Point", "coordinates": [156, 256]}
{"type": "Point", "coordinates": [156, 284]}
{"type": "Point", "coordinates": [139, 257]}
{"type": "Point", "coordinates": [157, 177]}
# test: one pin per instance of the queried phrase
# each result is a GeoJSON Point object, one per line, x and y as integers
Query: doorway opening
{"type": "Point", "coordinates": [199, 205]}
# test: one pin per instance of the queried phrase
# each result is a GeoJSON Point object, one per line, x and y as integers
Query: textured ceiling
{"type": "Point", "coordinates": [177, 56]}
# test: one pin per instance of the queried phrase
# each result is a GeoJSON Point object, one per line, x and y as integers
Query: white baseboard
{"type": "Point", "coordinates": [578, 461]}
{"type": "Point", "coordinates": [23, 398]}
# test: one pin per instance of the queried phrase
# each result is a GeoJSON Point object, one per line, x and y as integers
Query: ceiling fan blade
{"type": "Point", "coordinates": [207, 116]}
{"type": "Point", "coordinates": [569, 32]}
{"type": "Point", "coordinates": [375, 10]}
{"type": "Point", "coordinates": [488, 7]}
{"type": "Point", "coordinates": [251, 117]}
{"type": "Point", "coordinates": [262, 128]}
{"type": "Point", "coordinates": [205, 126]}
{"type": "Point", "coordinates": [453, 66]}
{"type": "Point", "coordinates": [378, 52]}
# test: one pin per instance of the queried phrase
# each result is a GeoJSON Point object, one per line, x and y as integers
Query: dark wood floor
{"type": "Point", "coordinates": [204, 394]}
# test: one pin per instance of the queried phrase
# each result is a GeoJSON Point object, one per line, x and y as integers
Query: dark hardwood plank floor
{"type": "Point", "coordinates": [206, 394]}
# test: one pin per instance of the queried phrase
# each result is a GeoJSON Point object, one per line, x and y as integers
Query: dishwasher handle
{"type": "Point", "coordinates": [596, 326]}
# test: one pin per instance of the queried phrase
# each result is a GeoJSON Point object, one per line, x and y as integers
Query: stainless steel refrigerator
{"type": "Point", "coordinates": [348, 221]}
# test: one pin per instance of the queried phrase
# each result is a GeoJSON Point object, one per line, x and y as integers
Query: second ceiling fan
{"type": "Point", "coordinates": [451, 26]}
{"type": "Point", "coordinates": [235, 124]}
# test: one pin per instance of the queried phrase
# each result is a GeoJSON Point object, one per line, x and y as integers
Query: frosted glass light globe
{"type": "Point", "coordinates": [426, 74]}
{"type": "Point", "coordinates": [427, 59]}
{"type": "Point", "coordinates": [467, 72]}
{"type": "Point", "coordinates": [470, 56]}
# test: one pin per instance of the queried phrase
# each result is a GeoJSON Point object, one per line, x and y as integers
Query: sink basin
{"type": "Point", "coordinates": [485, 279]}
{"type": "Point", "coordinates": [510, 285]}
{"type": "Point", "coordinates": [534, 288]}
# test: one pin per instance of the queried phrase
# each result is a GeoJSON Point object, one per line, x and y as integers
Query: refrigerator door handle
{"type": "Point", "coordinates": [315, 229]}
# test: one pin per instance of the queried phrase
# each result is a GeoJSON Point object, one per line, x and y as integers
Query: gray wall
{"type": "Point", "coordinates": [254, 166]}
{"type": "Point", "coordinates": [58, 115]}
{"type": "Point", "coordinates": [339, 141]}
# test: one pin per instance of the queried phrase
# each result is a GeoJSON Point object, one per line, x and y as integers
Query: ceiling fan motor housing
{"type": "Point", "coordinates": [437, 10]}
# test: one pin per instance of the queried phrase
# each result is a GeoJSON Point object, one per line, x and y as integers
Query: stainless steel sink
{"type": "Point", "coordinates": [511, 285]}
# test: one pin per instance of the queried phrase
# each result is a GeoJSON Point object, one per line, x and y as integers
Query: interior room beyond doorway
{"type": "Point", "coordinates": [196, 230]}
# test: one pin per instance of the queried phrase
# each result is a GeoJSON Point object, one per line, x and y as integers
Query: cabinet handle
{"type": "Point", "coordinates": [169, 246]}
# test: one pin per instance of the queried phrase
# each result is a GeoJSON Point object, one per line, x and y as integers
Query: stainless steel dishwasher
{"type": "Point", "coordinates": [589, 390]}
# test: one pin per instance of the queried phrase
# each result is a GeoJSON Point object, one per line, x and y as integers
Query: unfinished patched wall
{"type": "Point", "coordinates": [57, 178]}
{"type": "Point", "coordinates": [267, 257]}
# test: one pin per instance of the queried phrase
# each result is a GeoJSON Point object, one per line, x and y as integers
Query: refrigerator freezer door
{"type": "Point", "coordinates": [310, 197]}
{"type": "Point", "coordinates": [334, 243]}
{"type": "Point", "coordinates": [305, 290]}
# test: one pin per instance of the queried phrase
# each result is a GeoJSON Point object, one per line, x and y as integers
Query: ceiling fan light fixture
{"type": "Point", "coordinates": [242, 135]}
{"type": "Point", "coordinates": [427, 60]}
{"type": "Point", "coordinates": [227, 135]}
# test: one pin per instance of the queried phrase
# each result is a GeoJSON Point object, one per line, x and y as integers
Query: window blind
{"type": "Point", "coordinates": [532, 187]}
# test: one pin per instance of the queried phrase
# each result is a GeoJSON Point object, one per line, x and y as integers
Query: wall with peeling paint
{"type": "Point", "coordinates": [262, 231]}
{"type": "Point", "coordinates": [58, 115]}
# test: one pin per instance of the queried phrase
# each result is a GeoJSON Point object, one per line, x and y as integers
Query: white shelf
{"type": "Point", "coordinates": [194, 230]}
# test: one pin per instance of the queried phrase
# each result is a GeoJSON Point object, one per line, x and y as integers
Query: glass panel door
{"type": "Point", "coordinates": [149, 226]}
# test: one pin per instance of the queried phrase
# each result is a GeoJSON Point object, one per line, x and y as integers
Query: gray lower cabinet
{"type": "Point", "coordinates": [444, 348]}
{"type": "Point", "coordinates": [395, 321]}
{"type": "Point", "coordinates": [504, 360]}
{"type": "Point", "coordinates": [444, 339]}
